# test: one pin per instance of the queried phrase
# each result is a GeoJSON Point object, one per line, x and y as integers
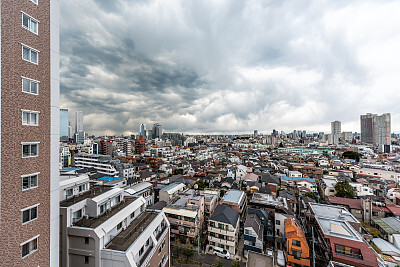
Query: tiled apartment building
{"type": "Point", "coordinates": [29, 132]}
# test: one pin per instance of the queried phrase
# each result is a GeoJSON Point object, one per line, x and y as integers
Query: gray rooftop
{"type": "Point", "coordinates": [95, 222]}
{"type": "Point", "coordinates": [225, 214]}
{"type": "Point", "coordinates": [94, 191]}
{"type": "Point", "coordinates": [332, 212]}
{"type": "Point", "coordinates": [392, 222]}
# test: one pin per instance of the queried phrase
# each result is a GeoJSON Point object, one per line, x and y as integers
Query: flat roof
{"type": "Point", "coordinates": [94, 191]}
{"type": "Point", "coordinates": [332, 212]}
{"type": "Point", "coordinates": [95, 222]}
{"type": "Point", "coordinates": [233, 196]}
{"type": "Point", "coordinates": [340, 229]}
{"type": "Point", "coordinates": [110, 179]}
{"type": "Point", "coordinates": [127, 237]}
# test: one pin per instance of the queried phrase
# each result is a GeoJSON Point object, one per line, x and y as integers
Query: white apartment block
{"type": "Point", "coordinates": [385, 175]}
{"type": "Point", "coordinates": [101, 226]}
{"type": "Point", "coordinates": [101, 163]}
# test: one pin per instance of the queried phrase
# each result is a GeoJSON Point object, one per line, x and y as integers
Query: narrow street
{"type": "Point", "coordinates": [205, 259]}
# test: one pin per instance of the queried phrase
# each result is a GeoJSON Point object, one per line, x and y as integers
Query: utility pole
{"type": "Point", "coordinates": [313, 252]}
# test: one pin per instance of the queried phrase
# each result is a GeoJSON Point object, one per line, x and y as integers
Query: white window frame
{"type": "Point", "coordinates": [30, 85]}
{"type": "Point", "coordinates": [28, 176]}
{"type": "Point", "coordinates": [36, 2]}
{"type": "Point", "coordinates": [30, 50]}
{"type": "Point", "coordinates": [29, 112]}
{"type": "Point", "coordinates": [30, 143]}
{"type": "Point", "coordinates": [29, 208]}
{"type": "Point", "coordinates": [30, 18]}
{"type": "Point", "coordinates": [30, 252]}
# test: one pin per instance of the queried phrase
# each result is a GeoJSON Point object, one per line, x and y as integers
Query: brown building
{"type": "Point", "coordinates": [140, 145]}
{"type": "Point", "coordinates": [105, 147]}
{"type": "Point", "coordinates": [29, 132]}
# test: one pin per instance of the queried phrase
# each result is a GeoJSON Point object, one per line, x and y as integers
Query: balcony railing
{"type": "Point", "coordinates": [143, 258]}
{"type": "Point", "coordinates": [351, 255]}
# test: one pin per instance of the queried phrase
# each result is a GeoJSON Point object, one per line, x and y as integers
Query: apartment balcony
{"type": "Point", "coordinates": [222, 241]}
{"type": "Point", "coordinates": [221, 231]}
{"type": "Point", "coordinates": [145, 255]}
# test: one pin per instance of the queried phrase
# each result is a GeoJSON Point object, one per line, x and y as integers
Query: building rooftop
{"type": "Point", "coordinates": [173, 187]}
{"type": "Point", "coordinates": [127, 237]}
{"type": "Point", "coordinates": [223, 213]}
{"type": "Point", "coordinates": [268, 199]}
{"type": "Point", "coordinates": [234, 196]}
{"type": "Point", "coordinates": [332, 212]}
{"type": "Point", "coordinates": [97, 221]}
{"type": "Point", "coordinates": [340, 229]}
{"type": "Point", "coordinates": [110, 179]}
{"type": "Point", "coordinates": [94, 191]}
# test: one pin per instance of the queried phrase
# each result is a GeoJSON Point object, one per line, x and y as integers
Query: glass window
{"type": "Point", "coordinates": [29, 214]}
{"type": "Point", "coordinates": [29, 86]}
{"type": "Point", "coordinates": [29, 150]}
{"type": "Point", "coordinates": [296, 243]}
{"type": "Point", "coordinates": [29, 181]}
{"type": "Point", "coordinates": [30, 54]}
{"type": "Point", "coordinates": [30, 118]}
{"type": "Point", "coordinates": [29, 23]}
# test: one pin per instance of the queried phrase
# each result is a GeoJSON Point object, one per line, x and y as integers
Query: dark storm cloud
{"type": "Point", "coordinates": [228, 66]}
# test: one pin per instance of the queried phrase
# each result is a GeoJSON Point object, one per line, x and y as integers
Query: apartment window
{"type": "Point", "coordinates": [141, 251]}
{"type": "Point", "coordinates": [69, 193]}
{"type": "Point", "coordinates": [77, 215]}
{"type": "Point", "coordinates": [132, 215]}
{"type": "Point", "coordinates": [81, 188]}
{"type": "Point", "coordinates": [118, 199]}
{"type": "Point", "coordinates": [163, 244]}
{"type": "Point", "coordinates": [86, 240]}
{"type": "Point", "coordinates": [34, 1]}
{"type": "Point", "coordinates": [348, 251]}
{"type": "Point", "coordinates": [29, 247]}
{"type": "Point", "coordinates": [277, 222]}
{"type": "Point", "coordinates": [29, 23]}
{"type": "Point", "coordinates": [30, 150]}
{"type": "Point", "coordinates": [296, 243]}
{"type": "Point", "coordinates": [221, 226]}
{"type": "Point", "coordinates": [29, 181]}
{"type": "Point", "coordinates": [30, 54]}
{"type": "Point", "coordinates": [30, 86]}
{"type": "Point", "coordinates": [29, 214]}
{"type": "Point", "coordinates": [30, 117]}
{"type": "Point", "coordinates": [86, 259]}
{"type": "Point", "coordinates": [103, 207]}
{"type": "Point", "coordinates": [247, 232]}
{"type": "Point", "coordinates": [159, 250]}
{"type": "Point", "coordinates": [163, 258]}
{"type": "Point", "coordinates": [212, 224]}
{"type": "Point", "coordinates": [119, 226]}
{"type": "Point", "coordinates": [296, 254]}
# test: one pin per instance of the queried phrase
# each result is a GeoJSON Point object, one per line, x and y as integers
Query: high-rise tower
{"type": "Point", "coordinates": [29, 134]}
{"type": "Point", "coordinates": [376, 129]}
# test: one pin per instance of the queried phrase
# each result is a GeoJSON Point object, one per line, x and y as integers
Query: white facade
{"type": "Point", "coordinates": [385, 175]}
{"type": "Point", "coordinates": [100, 163]}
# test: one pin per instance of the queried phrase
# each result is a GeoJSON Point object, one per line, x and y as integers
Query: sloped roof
{"type": "Point", "coordinates": [225, 214]}
{"type": "Point", "coordinates": [351, 202]}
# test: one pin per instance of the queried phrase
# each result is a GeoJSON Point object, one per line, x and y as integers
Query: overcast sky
{"type": "Point", "coordinates": [229, 66]}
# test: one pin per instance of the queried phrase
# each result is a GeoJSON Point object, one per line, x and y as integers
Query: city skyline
{"type": "Point", "coordinates": [148, 62]}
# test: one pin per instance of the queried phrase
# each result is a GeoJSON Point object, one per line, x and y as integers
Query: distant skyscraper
{"type": "Point", "coordinates": [78, 121]}
{"type": "Point", "coordinates": [157, 130]}
{"type": "Point", "coordinates": [80, 135]}
{"type": "Point", "coordinates": [336, 127]}
{"type": "Point", "coordinates": [143, 130]}
{"type": "Point", "coordinates": [64, 125]}
{"type": "Point", "coordinates": [376, 129]}
{"type": "Point", "coordinates": [255, 132]}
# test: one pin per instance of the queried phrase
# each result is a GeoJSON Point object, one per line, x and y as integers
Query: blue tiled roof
{"type": "Point", "coordinates": [110, 179]}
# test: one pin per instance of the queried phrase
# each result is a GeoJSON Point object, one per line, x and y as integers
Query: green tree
{"type": "Point", "coordinates": [200, 184]}
{"type": "Point", "coordinates": [281, 144]}
{"type": "Point", "coordinates": [188, 252]}
{"type": "Point", "coordinates": [312, 195]}
{"type": "Point", "coordinates": [218, 262]}
{"type": "Point", "coordinates": [235, 264]}
{"type": "Point", "coordinates": [344, 189]}
{"type": "Point", "coordinates": [351, 155]}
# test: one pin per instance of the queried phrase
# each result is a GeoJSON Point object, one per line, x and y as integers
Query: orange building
{"type": "Point", "coordinates": [298, 252]}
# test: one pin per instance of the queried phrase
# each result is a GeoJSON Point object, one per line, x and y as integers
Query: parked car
{"type": "Point", "coordinates": [280, 258]}
{"type": "Point", "coordinates": [220, 252]}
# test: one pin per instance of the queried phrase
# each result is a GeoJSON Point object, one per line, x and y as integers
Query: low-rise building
{"type": "Point", "coordinates": [101, 226]}
{"type": "Point", "coordinates": [235, 199]}
{"type": "Point", "coordinates": [167, 193]}
{"type": "Point", "coordinates": [223, 228]}
{"type": "Point", "coordinates": [253, 234]}
{"type": "Point", "coordinates": [297, 248]}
